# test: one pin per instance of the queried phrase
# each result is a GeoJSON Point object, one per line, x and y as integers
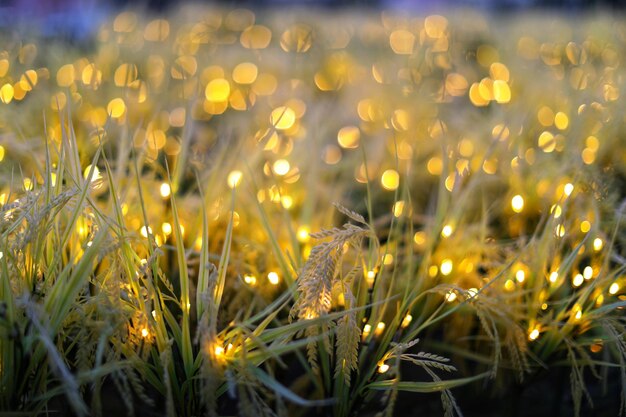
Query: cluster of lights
{"type": "Point", "coordinates": [223, 90]}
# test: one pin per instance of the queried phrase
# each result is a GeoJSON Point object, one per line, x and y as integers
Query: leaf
{"type": "Point", "coordinates": [425, 387]}
{"type": "Point", "coordinates": [285, 392]}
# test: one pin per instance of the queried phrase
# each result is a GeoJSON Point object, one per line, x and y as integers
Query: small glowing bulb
{"type": "Point", "coordinates": [380, 327]}
{"type": "Point", "coordinates": [234, 178]}
{"type": "Point", "coordinates": [286, 201]}
{"type": "Point", "coordinates": [281, 167]}
{"type": "Point", "coordinates": [165, 190]}
{"type": "Point", "coordinates": [370, 277]}
{"type": "Point", "coordinates": [599, 300]}
{"type": "Point", "coordinates": [578, 315]}
{"type": "Point", "coordinates": [446, 231]}
{"type": "Point", "coordinates": [553, 276]}
{"type": "Point", "coordinates": [559, 230]}
{"type": "Point", "coordinates": [588, 272]}
{"type": "Point", "coordinates": [303, 234]}
{"type": "Point", "coordinates": [407, 320]}
{"type": "Point", "coordinates": [509, 285]}
{"type": "Point", "coordinates": [451, 296]}
{"type": "Point", "coordinates": [166, 228]}
{"type": "Point", "coordinates": [446, 267]}
{"type": "Point", "coordinates": [145, 231]}
{"type": "Point", "coordinates": [367, 329]}
{"type": "Point", "coordinates": [219, 350]}
{"type": "Point", "coordinates": [517, 203]}
{"type": "Point", "coordinates": [534, 334]}
{"type": "Point", "coordinates": [419, 238]}
{"type": "Point", "coordinates": [598, 244]}
{"type": "Point", "coordinates": [398, 208]}
{"type": "Point", "coordinates": [544, 306]}
{"type": "Point", "coordinates": [520, 275]}
{"type": "Point", "coordinates": [273, 278]}
{"type": "Point", "coordinates": [585, 226]}
{"type": "Point", "coordinates": [390, 179]}
{"type": "Point", "coordinates": [432, 271]}
{"type": "Point", "coordinates": [568, 188]}
{"type": "Point", "coordinates": [96, 173]}
{"type": "Point", "coordinates": [472, 292]}
{"type": "Point", "coordinates": [614, 288]}
{"type": "Point", "coordinates": [28, 184]}
{"type": "Point", "coordinates": [578, 280]}
{"type": "Point", "coordinates": [144, 333]}
{"type": "Point", "coordinates": [250, 280]}
{"type": "Point", "coordinates": [283, 118]}
{"type": "Point", "coordinates": [382, 368]}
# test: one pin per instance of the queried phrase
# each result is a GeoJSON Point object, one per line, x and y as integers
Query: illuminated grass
{"type": "Point", "coordinates": [226, 212]}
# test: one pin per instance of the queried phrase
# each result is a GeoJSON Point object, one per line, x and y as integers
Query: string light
{"type": "Point", "coordinates": [234, 178]}
{"type": "Point", "coordinates": [446, 231]}
{"type": "Point", "coordinates": [446, 267]}
{"type": "Point", "coordinates": [614, 288]}
{"type": "Point", "coordinates": [165, 190]}
{"type": "Point", "coordinates": [597, 244]}
{"type": "Point", "coordinates": [367, 329]}
{"type": "Point", "coordinates": [517, 203]}
{"type": "Point", "coordinates": [273, 278]}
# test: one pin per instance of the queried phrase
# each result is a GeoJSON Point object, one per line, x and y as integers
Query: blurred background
{"type": "Point", "coordinates": [78, 17]}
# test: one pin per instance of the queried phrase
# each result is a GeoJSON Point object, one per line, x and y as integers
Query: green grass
{"type": "Point", "coordinates": [210, 250]}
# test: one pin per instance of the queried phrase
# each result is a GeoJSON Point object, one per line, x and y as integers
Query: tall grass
{"type": "Point", "coordinates": [338, 222]}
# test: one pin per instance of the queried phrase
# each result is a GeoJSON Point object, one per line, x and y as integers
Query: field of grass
{"type": "Point", "coordinates": [228, 212]}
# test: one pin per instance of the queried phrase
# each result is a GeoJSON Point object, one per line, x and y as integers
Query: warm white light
{"type": "Point", "coordinates": [446, 267]}
{"type": "Point", "coordinates": [367, 329]}
{"type": "Point", "coordinates": [597, 244]}
{"type": "Point", "coordinates": [382, 368]}
{"type": "Point", "coordinates": [578, 280]}
{"type": "Point", "coordinates": [234, 178]}
{"type": "Point", "coordinates": [303, 234]}
{"type": "Point", "coordinates": [165, 190]}
{"type": "Point", "coordinates": [451, 296]}
{"type": "Point", "coordinates": [281, 167]}
{"type": "Point", "coordinates": [273, 278]}
{"type": "Point", "coordinates": [517, 203]}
